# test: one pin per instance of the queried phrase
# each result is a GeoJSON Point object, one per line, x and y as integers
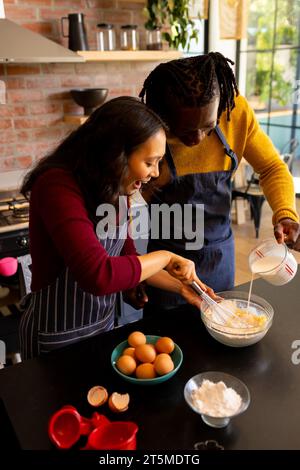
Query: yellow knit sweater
{"type": "Point", "coordinates": [247, 139]}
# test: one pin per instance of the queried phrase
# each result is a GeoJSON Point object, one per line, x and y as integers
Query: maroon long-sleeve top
{"type": "Point", "coordinates": [62, 235]}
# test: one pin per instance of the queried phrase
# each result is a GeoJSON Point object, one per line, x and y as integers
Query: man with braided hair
{"type": "Point", "coordinates": [211, 127]}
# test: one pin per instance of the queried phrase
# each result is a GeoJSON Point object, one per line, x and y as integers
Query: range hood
{"type": "Point", "coordinates": [20, 45]}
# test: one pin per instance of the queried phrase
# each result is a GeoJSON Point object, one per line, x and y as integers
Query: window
{"type": "Point", "coordinates": [269, 69]}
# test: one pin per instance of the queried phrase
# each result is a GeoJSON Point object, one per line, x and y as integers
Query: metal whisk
{"type": "Point", "coordinates": [223, 313]}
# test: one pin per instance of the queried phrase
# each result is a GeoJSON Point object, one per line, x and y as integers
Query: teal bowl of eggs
{"type": "Point", "coordinates": [143, 364]}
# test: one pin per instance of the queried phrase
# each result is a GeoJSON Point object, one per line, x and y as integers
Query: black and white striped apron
{"type": "Point", "coordinates": [63, 313]}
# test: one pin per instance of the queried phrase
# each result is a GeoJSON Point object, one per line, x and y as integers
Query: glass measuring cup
{"type": "Point", "coordinates": [273, 262]}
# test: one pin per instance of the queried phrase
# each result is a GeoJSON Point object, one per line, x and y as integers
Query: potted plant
{"type": "Point", "coordinates": [174, 15]}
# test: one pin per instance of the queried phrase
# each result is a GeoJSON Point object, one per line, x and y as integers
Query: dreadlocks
{"type": "Point", "coordinates": [193, 81]}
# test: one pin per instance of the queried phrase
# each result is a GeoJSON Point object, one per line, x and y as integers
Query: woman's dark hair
{"type": "Point", "coordinates": [192, 82]}
{"type": "Point", "coordinates": [97, 152]}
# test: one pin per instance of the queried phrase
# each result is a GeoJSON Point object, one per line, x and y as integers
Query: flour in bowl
{"type": "Point", "coordinates": [242, 317]}
{"type": "Point", "coordinates": [216, 400]}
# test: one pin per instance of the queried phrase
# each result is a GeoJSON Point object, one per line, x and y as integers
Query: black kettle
{"type": "Point", "coordinates": [77, 33]}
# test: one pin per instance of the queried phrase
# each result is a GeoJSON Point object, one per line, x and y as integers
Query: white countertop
{"type": "Point", "coordinates": [11, 180]}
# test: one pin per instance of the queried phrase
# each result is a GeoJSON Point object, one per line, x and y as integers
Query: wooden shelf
{"type": "Point", "coordinates": [111, 56]}
{"type": "Point", "coordinates": [75, 119]}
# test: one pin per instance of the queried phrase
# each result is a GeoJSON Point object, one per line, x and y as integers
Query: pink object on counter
{"type": "Point", "coordinates": [8, 266]}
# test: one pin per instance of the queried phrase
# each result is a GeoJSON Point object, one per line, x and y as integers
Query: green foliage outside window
{"type": "Point", "coordinates": [174, 15]}
{"type": "Point", "coordinates": [261, 36]}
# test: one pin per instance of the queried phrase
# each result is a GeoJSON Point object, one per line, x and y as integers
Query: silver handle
{"type": "Point", "coordinates": [197, 288]}
{"type": "Point", "coordinates": [203, 294]}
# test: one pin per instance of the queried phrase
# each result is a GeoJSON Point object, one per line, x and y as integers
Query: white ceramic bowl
{"type": "Point", "coordinates": [238, 337]}
{"type": "Point", "coordinates": [230, 381]}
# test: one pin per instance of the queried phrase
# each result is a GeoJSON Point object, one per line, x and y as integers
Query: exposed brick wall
{"type": "Point", "coordinates": [43, 16]}
{"type": "Point", "coordinates": [31, 122]}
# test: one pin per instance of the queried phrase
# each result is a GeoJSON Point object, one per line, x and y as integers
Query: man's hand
{"type": "Point", "coordinates": [136, 297]}
{"type": "Point", "coordinates": [193, 298]}
{"type": "Point", "coordinates": [296, 245]}
{"type": "Point", "coordinates": [288, 231]}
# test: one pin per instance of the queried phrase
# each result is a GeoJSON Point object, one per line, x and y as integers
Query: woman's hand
{"type": "Point", "coordinates": [183, 269]}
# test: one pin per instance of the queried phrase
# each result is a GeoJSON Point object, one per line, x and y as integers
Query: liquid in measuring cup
{"type": "Point", "coordinates": [273, 262]}
{"type": "Point", "coordinates": [267, 263]}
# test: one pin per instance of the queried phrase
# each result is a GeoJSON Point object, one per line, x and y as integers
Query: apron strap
{"type": "Point", "coordinates": [227, 149]}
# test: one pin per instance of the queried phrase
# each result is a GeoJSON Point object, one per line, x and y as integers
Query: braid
{"type": "Point", "coordinates": [193, 82]}
{"type": "Point", "coordinates": [227, 82]}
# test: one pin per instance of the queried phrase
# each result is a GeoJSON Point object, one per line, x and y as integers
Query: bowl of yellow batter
{"type": "Point", "coordinates": [248, 324]}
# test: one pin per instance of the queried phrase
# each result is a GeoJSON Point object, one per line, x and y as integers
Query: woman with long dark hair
{"type": "Point", "coordinates": [75, 276]}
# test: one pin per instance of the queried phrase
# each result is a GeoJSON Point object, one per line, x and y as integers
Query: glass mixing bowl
{"type": "Point", "coordinates": [238, 336]}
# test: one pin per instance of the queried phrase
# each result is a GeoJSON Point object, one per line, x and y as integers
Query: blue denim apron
{"type": "Point", "coordinates": [215, 262]}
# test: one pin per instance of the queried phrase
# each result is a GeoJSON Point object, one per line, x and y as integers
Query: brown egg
{"type": "Point", "coordinates": [136, 338]}
{"type": "Point", "coordinates": [126, 364]}
{"type": "Point", "coordinates": [165, 345]}
{"type": "Point", "coordinates": [145, 353]}
{"type": "Point", "coordinates": [163, 364]}
{"type": "Point", "coordinates": [145, 371]}
{"type": "Point", "coordinates": [129, 352]}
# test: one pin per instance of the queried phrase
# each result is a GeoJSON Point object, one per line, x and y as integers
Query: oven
{"type": "Point", "coordinates": [14, 232]}
{"type": "Point", "coordinates": [14, 243]}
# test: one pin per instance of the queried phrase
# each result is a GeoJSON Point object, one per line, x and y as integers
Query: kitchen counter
{"type": "Point", "coordinates": [32, 391]}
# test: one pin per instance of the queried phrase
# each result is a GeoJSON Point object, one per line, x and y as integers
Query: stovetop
{"type": "Point", "coordinates": [14, 214]}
